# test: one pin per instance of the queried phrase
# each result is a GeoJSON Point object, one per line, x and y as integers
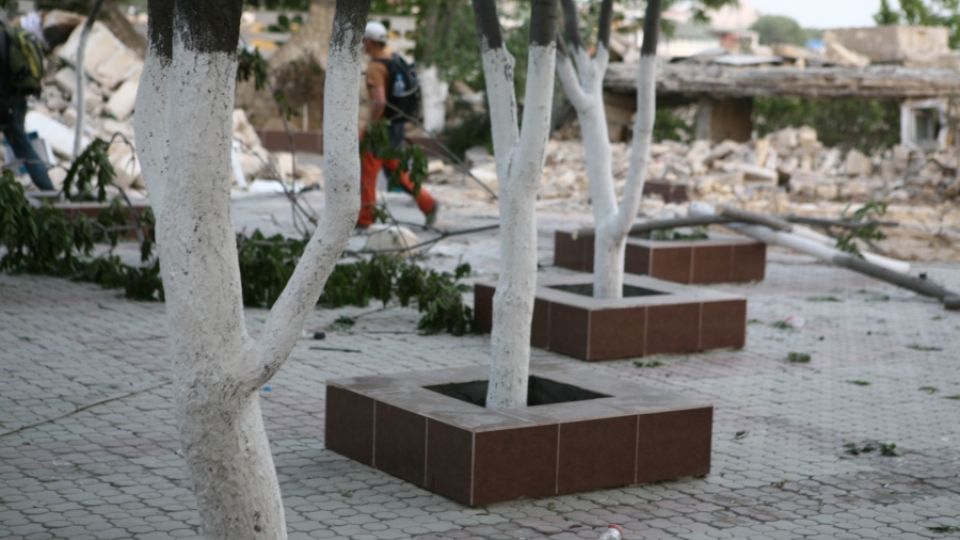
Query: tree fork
{"type": "Point", "coordinates": [184, 132]}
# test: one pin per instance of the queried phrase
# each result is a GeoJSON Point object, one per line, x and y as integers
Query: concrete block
{"type": "Point", "coordinates": [122, 101]}
{"type": "Point", "coordinates": [892, 44]}
{"type": "Point", "coordinates": [107, 60]}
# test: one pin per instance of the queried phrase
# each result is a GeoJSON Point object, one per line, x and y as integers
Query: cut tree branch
{"type": "Point", "coordinates": [342, 169]}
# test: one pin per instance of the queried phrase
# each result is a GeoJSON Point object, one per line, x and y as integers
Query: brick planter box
{"type": "Point", "coordinates": [719, 259]}
{"type": "Point", "coordinates": [90, 210]}
{"type": "Point", "coordinates": [660, 317]}
{"type": "Point", "coordinates": [580, 432]}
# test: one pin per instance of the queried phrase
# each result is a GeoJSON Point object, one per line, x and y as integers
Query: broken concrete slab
{"type": "Point", "coordinates": [57, 136]}
{"type": "Point", "coordinates": [121, 103]}
{"type": "Point", "coordinates": [891, 44]}
{"type": "Point", "coordinates": [395, 239]}
{"type": "Point", "coordinates": [857, 164]}
{"type": "Point", "coordinates": [106, 59]}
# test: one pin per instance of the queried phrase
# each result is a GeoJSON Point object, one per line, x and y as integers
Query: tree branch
{"type": "Point", "coordinates": [342, 170]}
{"type": "Point", "coordinates": [567, 74]}
{"type": "Point", "coordinates": [498, 67]}
{"type": "Point", "coordinates": [544, 20]}
{"type": "Point", "coordinates": [605, 23]}
{"type": "Point", "coordinates": [488, 24]}
{"type": "Point", "coordinates": [571, 24]}
{"type": "Point", "coordinates": [643, 125]}
{"type": "Point", "coordinates": [651, 28]}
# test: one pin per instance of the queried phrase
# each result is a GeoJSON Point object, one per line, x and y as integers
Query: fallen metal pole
{"type": "Point", "coordinates": [950, 299]}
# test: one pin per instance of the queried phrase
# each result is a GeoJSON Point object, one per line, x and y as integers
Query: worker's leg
{"type": "Point", "coordinates": [12, 119]}
{"type": "Point", "coordinates": [370, 166]}
{"type": "Point", "coordinates": [425, 201]}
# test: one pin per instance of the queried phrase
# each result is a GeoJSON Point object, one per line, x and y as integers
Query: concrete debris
{"type": "Point", "coordinates": [110, 95]}
{"type": "Point", "coordinates": [106, 60]}
{"type": "Point", "coordinates": [790, 166]}
{"type": "Point", "coordinates": [840, 55]}
{"type": "Point", "coordinates": [392, 239]}
{"type": "Point", "coordinates": [120, 105]}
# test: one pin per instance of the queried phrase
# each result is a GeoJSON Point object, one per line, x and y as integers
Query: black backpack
{"type": "Point", "coordinates": [23, 57]}
{"type": "Point", "coordinates": [403, 89]}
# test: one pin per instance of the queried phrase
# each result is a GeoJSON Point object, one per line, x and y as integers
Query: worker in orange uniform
{"type": "Point", "coordinates": [385, 73]}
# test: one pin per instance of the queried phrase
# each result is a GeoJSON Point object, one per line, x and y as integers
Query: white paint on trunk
{"type": "Point", "coordinates": [519, 166]}
{"type": "Point", "coordinates": [582, 82]}
{"type": "Point", "coordinates": [184, 136]}
{"type": "Point", "coordinates": [502, 103]}
{"type": "Point", "coordinates": [435, 92]}
{"type": "Point", "coordinates": [341, 206]}
{"type": "Point", "coordinates": [150, 125]}
{"type": "Point", "coordinates": [221, 430]}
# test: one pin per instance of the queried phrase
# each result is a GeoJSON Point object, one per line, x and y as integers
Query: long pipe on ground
{"type": "Point", "coordinates": [950, 299]}
{"type": "Point", "coordinates": [777, 224]}
{"type": "Point", "coordinates": [726, 215]}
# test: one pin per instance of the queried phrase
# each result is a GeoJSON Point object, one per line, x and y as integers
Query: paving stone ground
{"type": "Point", "coordinates": [88, 449]}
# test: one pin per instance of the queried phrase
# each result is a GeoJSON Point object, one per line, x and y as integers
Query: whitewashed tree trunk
{"type": "Point", "coordinates": [519, 155]}
{"type": "Point", "coordinates": [582, 80]}
{"type": "Point", "coordinates": [184, 132]}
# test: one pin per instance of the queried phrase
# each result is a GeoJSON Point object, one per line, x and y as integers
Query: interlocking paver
{"type": "Point", "coordinates": [780, 469]}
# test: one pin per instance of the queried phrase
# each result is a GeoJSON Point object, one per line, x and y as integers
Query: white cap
{"type": "Point", "coordinates": [375, 31]}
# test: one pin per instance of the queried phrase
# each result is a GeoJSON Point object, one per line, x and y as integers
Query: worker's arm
{"type": "Point", "coordinates": [378, 103]}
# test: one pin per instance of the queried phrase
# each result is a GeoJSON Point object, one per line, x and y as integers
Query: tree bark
{"type": "Point", "coordinates": [519, 156]}
{"type": "Point", "coordinates": [184, 132]}
{"type": "Point", "coordinates": [582, 80]}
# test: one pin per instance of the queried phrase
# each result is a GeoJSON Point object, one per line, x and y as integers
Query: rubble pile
{"type": "Point", "coordinates": [113, 74]}
{"type": "Point", "coordinates": [791, 164]}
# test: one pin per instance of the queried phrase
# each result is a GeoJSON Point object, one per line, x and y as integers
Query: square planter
{"type": "Point", "coordinates": [718, 259]}
{"type": "Point", "coordinates": [653, 317]}
{"type": "Point", "coordinates": [91, 209]}
{"type": "Point", "coordinates": [580, 432]}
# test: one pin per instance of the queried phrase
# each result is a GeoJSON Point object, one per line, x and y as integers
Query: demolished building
{"type": "Point", "coordinates": [914, 67]}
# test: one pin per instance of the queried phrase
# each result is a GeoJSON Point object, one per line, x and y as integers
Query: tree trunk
{"type": "Point", "coordinates": [226, 448]}
{"type": "Point", "coordinates": [582, 80]}
{"type": "Point", "coordinates": [184, 132]}
{"type": "Point", "coordinates": [519, 164]}
{"type": "Point", "coordinates": [312, 39]}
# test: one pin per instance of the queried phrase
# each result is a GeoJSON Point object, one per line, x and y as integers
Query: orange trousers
{"type": "Point", "coordinates": [370, 167]}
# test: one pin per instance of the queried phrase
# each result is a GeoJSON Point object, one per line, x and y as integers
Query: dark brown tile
{"type": "Point", "coordinates": [671, 264]}
{"type": "Point", "coordinates": [674, 444]}
{"type": "Point", "coordinates": [636, 259]}
{"type": "Point", "coordinates": [673, 328]}
{"type": "Point", "coordinates": [540, 332]}
{"type": "Point", "coordinates": [749, 262]}
{"type": "Point", "coordinates": [724, 324]}
{"type": "Point", "coordinates": [569, 329]}
{"type": "Point", "coordinates": [575, 254]}
{"type": "Point", "coordinates": [483, 307]}
{"type": "Point", "coordinates": [712, 264]}
{"type": "Point", "coordinates": [515, 463]}
{"type": "Point", "coordinates": [400, 443]}
{"type": "Point", "coordinates": [449, 461]}
{"type": "Point", "coordinates": [597, 454]}
{"type": "Point", "coordinates": [670, 193]}
{"type": "Point", "coordinates": [349, 424]}
{"type": "Point", "coordinates": [617, 333]}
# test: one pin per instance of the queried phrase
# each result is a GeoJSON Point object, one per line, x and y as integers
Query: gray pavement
{"type": "Point", "coordinates": [88, 449]}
